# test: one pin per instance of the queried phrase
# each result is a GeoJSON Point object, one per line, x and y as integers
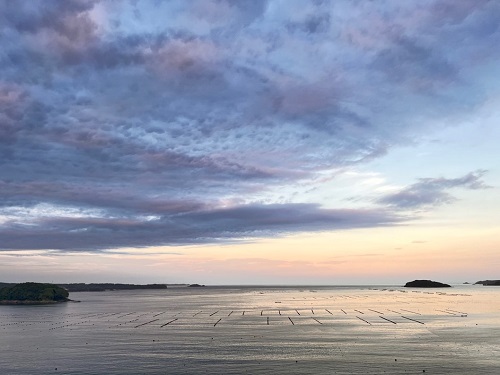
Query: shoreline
{"type": "Point", "coordinates": [20, 302]}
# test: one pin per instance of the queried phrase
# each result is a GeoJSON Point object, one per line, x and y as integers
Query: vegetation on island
{"type": "Point", "coordinates": [426, 284]}
{"type": "Point", "coordinates": [26, 293]}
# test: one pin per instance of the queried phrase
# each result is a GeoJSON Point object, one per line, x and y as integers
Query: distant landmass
{"type": "Point", "coordinates": [489, 282]}
{"type": "Point", "coordinates": [195, 286]}
{"type": "Point", "coordinates": [32, 293]}
{"type": "Point", "coordinates": [426, 284]}
{"type": "Point", "coordinates": [101, 287]}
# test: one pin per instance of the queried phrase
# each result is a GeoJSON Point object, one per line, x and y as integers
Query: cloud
{"type": "Point", "coordinates": [195, 227]}
{"type": "Point", "coordinates": [429, 192]}
{"type": "Point", "coordinates": [420, 68]}
{"type": "Point", "coordinates": [156, 109]}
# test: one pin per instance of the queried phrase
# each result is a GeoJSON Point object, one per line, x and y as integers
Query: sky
{"type": "Point", "coordinates": [249, 142]}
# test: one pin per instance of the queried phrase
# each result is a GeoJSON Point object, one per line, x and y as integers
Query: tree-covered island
{"type": "Point", "coordinates": [33, 294]}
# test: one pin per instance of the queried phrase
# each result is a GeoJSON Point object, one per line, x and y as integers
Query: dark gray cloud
{"type": "Point", "coordinates": [429, 192]}
{"type": "Point", "coordinates": [127, 109]}
{"type": "Point", "coordinates": [206, 226]}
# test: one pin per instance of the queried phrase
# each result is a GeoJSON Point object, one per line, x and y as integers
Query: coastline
{"type": "Point", "coordinates": [20, 302]}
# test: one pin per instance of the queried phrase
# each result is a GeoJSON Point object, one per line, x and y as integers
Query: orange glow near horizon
{"type": "Point", "coordinates": [361, 256]}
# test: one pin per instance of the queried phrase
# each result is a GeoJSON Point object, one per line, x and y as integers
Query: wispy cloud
{"type": "Point", "coordinates": [429, 192]}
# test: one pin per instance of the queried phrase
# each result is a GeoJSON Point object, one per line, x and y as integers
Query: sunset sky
{"type": "Point", "coordinates": [249, 142]}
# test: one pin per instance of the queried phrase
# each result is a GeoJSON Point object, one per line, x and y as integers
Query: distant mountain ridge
{"type": "Point", "coordinates": [98, 287]}
{"type": "Point", "coordinates": [101, 287]}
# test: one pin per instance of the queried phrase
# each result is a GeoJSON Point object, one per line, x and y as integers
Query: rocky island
{"type": "Point", "coordinates": [33, 294]}
{"type": "Point", "coordinates": [488, 283]}
{"type": "Point", "coordinates": [426, 284]}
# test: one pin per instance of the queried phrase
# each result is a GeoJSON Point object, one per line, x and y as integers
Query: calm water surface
{"type": "Point", "coordinates": [258, 330]}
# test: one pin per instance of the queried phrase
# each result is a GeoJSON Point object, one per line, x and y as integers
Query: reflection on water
{"type": "Point", "coordinates": [257, 330]}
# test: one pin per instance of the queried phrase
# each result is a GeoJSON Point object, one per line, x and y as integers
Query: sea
{"type": "Point", "coordinates": [258, 330]}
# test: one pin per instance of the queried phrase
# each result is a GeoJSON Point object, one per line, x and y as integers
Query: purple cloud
{"type": "Point", "coordinates": [173, 109]}
{"type": "Point", "coordinates": [190, 227]}
{"type": "Point", "coordinates": [429, 192]}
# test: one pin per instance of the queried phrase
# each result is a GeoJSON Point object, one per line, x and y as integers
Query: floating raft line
{"type": "Point", "coordinates": [291, 321]}
{"type": "Point", "coordinates": [394, 311]}
{"type": "Point", "coordinates": [378, 312]}
{"type": "Point", "coordinates": [217, 322]}
{"type": "Point", "coordinates": [267, 320]}
{"type": "Point", "coordinates": [412, 319]}
{"type": "Point", "coordinates": [143, 324]}
{"type": "Point", "coordinates": [328, 311]}
{"type": "Point", "coordinates": [366, 321]}
{"type": "Point", "coordinates": [460, 312]}
{"type": "Point", "coordinates": [166, 324]}
{"type": "Point", "coordinates": [230, 313]}
{"type": "Point", "coordinates": [199, 312]}
{"type": "Point", "coordinates": [447, 312]}
{"type": "Point", "coordinates": [121, 316]}
{"type": "Point", "coordinates": [130, 321]}
{"type": "Point", "coordinates": [159, 314]}
{"type": "Point", "coordinates": [361, 312]}
{"type": "Point", "coordinates": [317, 320]}
{"type": "Point", "coordinates": [343, 311]}
{"type": "Point", "coordinates": [387, 319]}
{"type": "Point", "coordinates": [212, 314]}
{"type": "Point", "coordinates": [297, 312]}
